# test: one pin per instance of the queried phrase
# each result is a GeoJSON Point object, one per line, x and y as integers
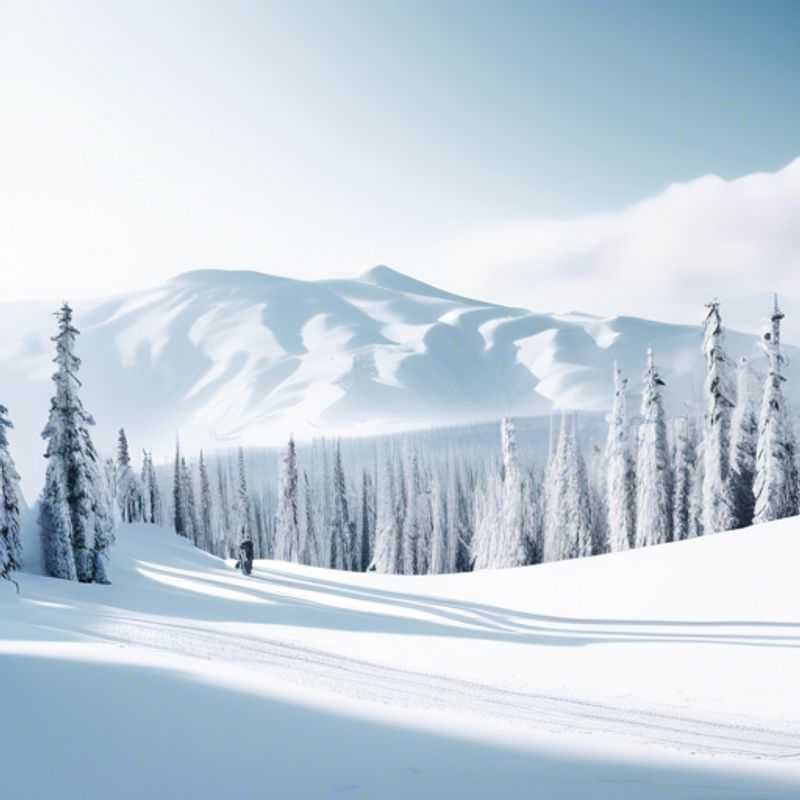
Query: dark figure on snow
{"type": "Point", "coordinates": [245, 562]}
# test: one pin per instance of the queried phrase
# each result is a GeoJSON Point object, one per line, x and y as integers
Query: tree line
{"type": "Point", "coordinates": [406, 510]}
{"type": "Point", "coordinates": [410, 509]}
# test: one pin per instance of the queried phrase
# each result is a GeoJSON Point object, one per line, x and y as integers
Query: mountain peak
{"type": "Point", "coordinates": [388, 278]}
{"type": "Point", "coordinates": [381, 275]}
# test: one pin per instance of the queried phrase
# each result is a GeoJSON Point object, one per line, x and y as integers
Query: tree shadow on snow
{"type": "Point", "coordinates": [225, 596]}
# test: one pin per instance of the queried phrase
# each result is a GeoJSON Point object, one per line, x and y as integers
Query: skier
{"type": "Point", "coordinates": [245, 562]}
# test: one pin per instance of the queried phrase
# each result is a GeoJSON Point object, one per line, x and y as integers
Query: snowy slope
{"type": "Point", "coordinates": [229, 357]}
{"type": "Point", "coordinates": [669, 672]}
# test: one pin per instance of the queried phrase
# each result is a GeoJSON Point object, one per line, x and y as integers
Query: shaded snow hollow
{"type": "Point", "coordinates": [669, 672]}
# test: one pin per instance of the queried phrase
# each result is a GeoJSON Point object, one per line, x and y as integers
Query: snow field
{"type": "Point", "coordinates": [666, 672]}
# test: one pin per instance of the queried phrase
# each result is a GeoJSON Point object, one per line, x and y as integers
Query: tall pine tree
{"type": "Point", "coordinates": [129, 491]}
{"type": "Point", "coordinates": [389, 550]}
{"type": "Point", "coordinates": [74, 502]}
{"type": "Point", "coordinates": [418, 520]}
{"type": "Point", "coordinates": [502, 535]}
{"type": "Point", "coordinates": [189, 510]}
{"type": "Point", "coordinates": [488, 502]}
{"type": "Point", "coordinates": [684, 468]}
{"type": "Point", "coordinates": [206, 507]}
{"type": "Point", "coordinates": [311, 545]}
{"type": "Point", "coordinates": [440, 559]}
{"type": "Point", "coordinates": [152, 491]}
{"type": "Point", "coordinates": [776, 482]}
{"type": "Point", "coordinates": [244, 526]}
{"type": "Point", "coordinates": [568, 522]}
{"type": "Point", "coordinates": [621, 486]}
{"type": "Point", "coordinates": [462, 521]}
{"type": "Point", "coordinates": [653, 473]}
{"type": "Point", "coordinates": [10, 546]}
{"type": "Point", "coordinates": [718, 506]}
{"type": "Point", "coordinates": [515, 517]}
{"type": "Point", "coordinates": [144, 485]}
{"type": "Point", "coordinates": [287, 522]}
{"type": "Point", "coordinates": [178, 503]}
{"type": "Point", "coordinates": [225, 544]}
{"type": "Point", "coordinates": [340, 531]}
{"type": "Point", "coordinates": [744, 444]}
{"type": "Point", "coordinates": [363, 554]}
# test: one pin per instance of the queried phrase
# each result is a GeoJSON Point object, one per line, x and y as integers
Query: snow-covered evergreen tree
{"type": "Point", "coordinates": [488, 512]}
{"type": "Point", "coordinates": [373, 508]}
{"type": "Point", "coordinates": [10, 545]}
{"type": "Point", "coordinates": [225, 545]}
{"type": "Point", "coordinates": [776, 482]}
{"type": "Point", "coordinates": [56, 530]}
{"type": "Point", "coordinates": [259, 523]}
{"type": "Point", "coordinates": [104, 528]}
{"type": "Point", "coordinates": [287, 522]}
{"type": "Point", "coordinates": [206, 507]}
{"type": "Point", "coordinates": [502, 535]}
{"type": "Point", "coordinates": [341, 532]}
{"type": "Point", "coordinates": [568, 523]}
{"type": "Point", "coordinates": [621, 488]}
{"type": "Point", "coordinates": [744, 443]}
{"type": "Point", "coordinates": [684, 467]}
{"type": "Point", "coordinates": [311, 545]}
{"type": "Point", "coordinates": [156, 499]}
{"type": "Point", "coordinates": [244, 527]}
{"type": "Point", "coordinates": [696, 496]}
{"type": "Point", "coordinates": [653, 473]}
{"type": "Point", "coordinates": [514, 550]}
{"type": "Point", "coordinates": [151, 492]}
{"type": "Point", "coordinates": [144, 485]}
{"type": "Point", "coordinates": [74, 501]}
{"type": "Point", "coordinates": [363, 555]}
{"type": "Point", "coordinates": [440, 559]}
{"type": "Point", "coordinates": [189, 510]}
{"type": "Point", "coordinates": [269, 502]}
{"type": "Point", "coordinates": [533, 505]}
{"type": "Point", "coordinates": [389, 550]}
{"type": "Point", "coordinates": [325, 500]}
{"type": "Point", "coordinates": [718, 510]}
{"type": "Point", "coordinates": [129, 491]}
{"type": "Point", "coordinates": [112, 483]}
{"type": "Point", "coordinates": [462, 522]}
{"type": "Point", "coordinates": [178, 502]}
{"type": "Point", "coordinates": [598, 505]}
{"type": "Point", "coordinates": [418, 520]}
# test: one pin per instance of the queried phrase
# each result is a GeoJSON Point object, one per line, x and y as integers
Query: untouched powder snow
{"type": "Point", "coordinates": [669, 672]}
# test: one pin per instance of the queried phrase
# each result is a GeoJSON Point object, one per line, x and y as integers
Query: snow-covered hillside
{"type": "Point", "coordinates": [668, 672]}
{"type": "Point", "coordinates": [229, 357]}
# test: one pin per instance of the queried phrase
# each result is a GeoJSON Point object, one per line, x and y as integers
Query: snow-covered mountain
{"type": "Point", "coordinates": [654, 674]}
{"type": "Point", "coordinates": [228, 357]}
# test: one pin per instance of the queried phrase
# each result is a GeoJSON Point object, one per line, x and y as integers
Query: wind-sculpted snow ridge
{"type": "Point", "coordinates": [648, 674]}
{"type": "Point", "coordinates": [243, 357]}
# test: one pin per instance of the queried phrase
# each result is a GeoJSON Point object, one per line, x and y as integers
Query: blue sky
{"type": "Point", "coordinates": [561, 107]}
{"type": "Point", "coordinates": [314, 139]}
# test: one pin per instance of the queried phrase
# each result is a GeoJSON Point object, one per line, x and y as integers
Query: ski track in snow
{"type": "Point", "coordinates": [362, 680]}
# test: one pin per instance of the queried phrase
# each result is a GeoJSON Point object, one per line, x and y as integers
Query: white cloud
{"type": "Point", "coordinates": [661, 258]}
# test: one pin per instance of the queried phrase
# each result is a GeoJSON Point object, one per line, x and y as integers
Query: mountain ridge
{"type": "Point", "coordinates": [228, 357]}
